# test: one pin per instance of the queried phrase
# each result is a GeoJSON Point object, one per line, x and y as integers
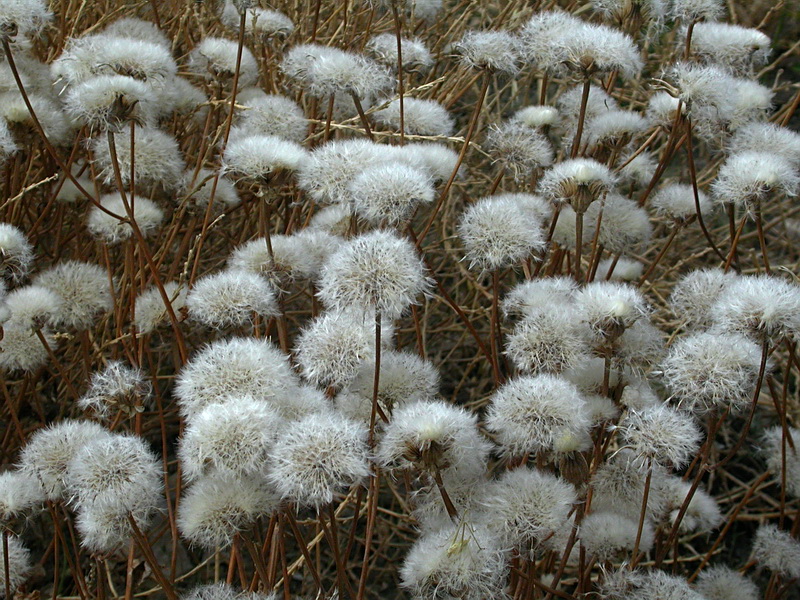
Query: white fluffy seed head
{"type": "Point", "coordinates": [230, 437]}
{"type": "Point", "coordinates": [109, 102]}
{"type": "Point", "coordinates": [608, 308]}
{"type": "Point", "coordinates": [491, 50]}
{"type": "Point", "coordinates": [495, 236]}
{"type": "Point", "coordinates": [404, 378]}
{"type": "Point", "coordinates": [611, 536]}
{"type": "Point", "coordinates": [766, 137]}
{"type": "Point", "coordinates": [151, 311]}
{"type": "Point", "coordinates": [544, 36]}
{"type": "Point", "coordinates": [389, 193]}
{"type": "Point", "coordinates": [48, 452]}
{"type": "Point", "coordinates": [723, 583]}
{"type": "Point", "coordinates": [750, 178]}
{"type": "Point", "coordinates": [117, 469]}
{"type": "Point", "coordinates": [433, 435]}
{"type": "Point", "coordinates": [19, 565]}
{"type": "Point", "coordinates": [260, 157]}
{"type": "Point", "coordinates": [16, 253]}
{"type": "Point", "coordinates": [83, 287]}
{"type": "Point", "coordinates": [374, 271]}
{"type": "Point", "coordinates": [614, 128]}
{"type": "Point", "coordinates": [712, 371]}
{"type": "Point", "coordinates": [109, 54]}
{"type": "Point", "coordinates": [457, 561]}
{"type": "Point", "coordinates": [538, 413]}
{"type": "Point", "coordinates": [737, 48]}
{"type": "Point", "coordinates": [777, 550]}
{"type": "Point", "coordinates": [20, 493]}
{"type": "Point", "coordinates": [104, 528]}
{"type": "Point", "coordinates": [232, 367]}
{"type": "Point", "coordinates": [527, 505]}
{"type": "Point", "coordinates": [231, 298]}
{"type": "Point", "coordinates": [32, 306]}
{"type": "Point", "coordinates": [696, 10]}
{"type": "Point", "coordinates": [578, 182]}
{"type": "Point", "coordinates": [23, 18]}
{"type": "Point", "coordinates": [591, 48]}
{"type": "Point", "coordinates": [660, 434]}
{"type": "Point", "coordinates": [198, 191]}
{"type": "Point", "coordinates": [215, 59]}
{"type": "Point", "coordinates": [625, 269]}
{"type": "Point", "coordinates": [537, 116]}
{"type": "Point", "coordinates": [773, 444]}
{"type": "Point", "coordinates": [548, 339]}
{"type": "Point", "coordinates": [676, 201]}
{"type": "Point", "coordinates": [638, 170]}
{"type": "Point", "coordinates": [695, 294]}
{"type": "Point", "coordinates": [216, 507]}
{"type": "Point", "coordinates": [117, 388]}
{"type": "Point", "coordinates": [317, 457]}
{"type": "Point", "coordinates": [416, 56]}
{"type": "Point", "coordinates": [138, 29]}
{"type": "Point", "coordinates": [519, 148]}
{"type": "Point", "coordinates": [762, 306]}
{"type": "Point", "coordinates": [528, 297]}
{"type": "Point", "coordinates": [332, 347]}
{"type": "Point", "coordinates": [420, 117]}
{"type": "Point", "coordinates": [625, 226]}
{"type": "Point", "coordinates": [157, 158]}
{"type": "Point", "coordinates": [702, 513]}
{"type": "Point", "coordinates": [21, 349]}
{"type": "Point", "coordinates": [271, 115]}
{"type": "Point", "coordinates": [618, 487]}
{"type": "Point", "coordinates": [259, 22]}
{"type": "Point", "coordinates": [112, 230]}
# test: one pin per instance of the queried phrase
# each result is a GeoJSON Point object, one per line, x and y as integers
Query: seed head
{"type": "Point", "coordinates": [317, 457]}
{"type": "Point", "coordinates": [777, 550]}
{"type": "Point", "coordinates": [112, 230]}
{"type": "Point", "coordinates": [231, 298]}
{"type": "Point", "coordinates": [723, 583]}
{"type": "Point", "coordinates": [491, 50]}
{"type": "Point", "coordinates": [150, 310]}
{"type": "Point", "coordinates": [116, 388]}
{"type": "Point", "coordinates": [420, 117]}
{"type": "Point", "coordinates": [660, 434]}
{"type": "Point", "coordinates": [16, 253]}
{"type": "Point", "coordinates": [215, 59]}
{"type": "Point", "coordinates": [19, 565]}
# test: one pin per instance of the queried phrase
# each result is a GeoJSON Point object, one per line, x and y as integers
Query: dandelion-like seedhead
{"type": "Point", "coordinates": [519, 148]}
{"type": "Point", "coordinates": [712, 371]}
{"type": "Point", "coordinates": [104, 528]}
{"type": "Point", "coordinates": [231, 298]}
{"type": "Point", "coordinates": [490, 50]}
{"type": "Point", "coordinates": [495, 236]}
{"type": "Point", "coordinates": [197, 189]}
{"type": "Point", "coordinates": [702, 513]}
{"type": "Point", "coordinates": [157, 158]}
{"type": "Point", "coordinates": [404, 378]}
{"type": "Point", "coordinates": [737, 48]}
{"type": "Point", "coordinates": [234, 367]}
{"type": "Point", "coordinates": [773, 444]}
{"type": "Point", "coordinates": [416, 56]}
{"type": "Point", "coordinates": [696, 292]}
{"type": "Point", "coordinates": [215, 59]}
{"type": "Point", "coordinates": [117, 388]}
{"type": "Point", "coordinates": [611, 536]}
{"type": "Point", "coordinates": [32, 306]}
{"type": "Point", "coordinates": [109, 102]}
{"type": "Point", "coordinates": [420, 117]}
{"type": "Point", "coordinates": [677, 202]}
{"type": "Point", "coordinates": [548, 339]}
{"type": "Point", "coordinates": [577, 182]}
{"type": "Point", "coordinates": [317, 457]}
{"type": "Point", "coordinates": [20, 493]}
{"type": "Point", "coordinates": [150, 310]}
{"type": "Point", "coordinates": [374, 271]}
{"type": "Point", "coordinates": [526, 505]}
{"type": "Point", "coordinates": [723, 583]}
{"type": "Point", "coordinates": [270, 114]}
{"type": "Point", "coordinates": [48, 452]}
{"type": "Point", "coordinates": [83, 288]}
{"type": "Point", "coordinates": [761, 306]}
{"type": "Point", "coordinates": [434, 436]}
{"type": "Point", "coordinates": [660, 434]}
{"type": "Point", "coordinates": [111, 229]}
{"type": "Point", "coordinates": [16, 253]}
{"type": "Point", "coordinates": [538, 413]}
{"type": "Point", "coordinates": [608, 308]}
{"type": "Point", "coordinates": [260, 157]}
{"type": "Point", "coordinates": [23, 17]}
{"type": "Point", "coordinates": [776, 550]}
{"type": "Point", "coordinates": [230, 437]}
{"type": "Point", "coordinates": [117, 469]}
{"type": "Point", "coordinates": [618, 487]}
{"type": "Point", "coordinates": [258, 22]}
{"type": "Point", "coordinates": [458, 561]}
{"type": "Point", "coordinates": [216, 507]}
{"type": "Point", "coordinates": [389, 193]}
{"type": "Point", "coordinates": [748, 179]}
{"type": "Point", "coordinates": [19, 565]}
{"type": "Point", "coordinates": [766, 138]}
{"type": "Point", "coordinates": [625, 226]}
